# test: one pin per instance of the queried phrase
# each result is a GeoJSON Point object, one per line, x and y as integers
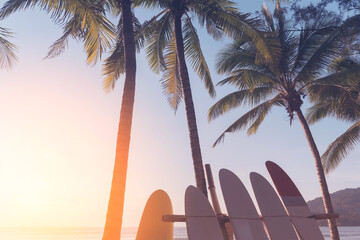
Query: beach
{"type": "Point", "coordinates": [346, 233]}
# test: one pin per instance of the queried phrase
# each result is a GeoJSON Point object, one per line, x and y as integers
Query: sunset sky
{"type": "Point", "coordinates": [58, 133]}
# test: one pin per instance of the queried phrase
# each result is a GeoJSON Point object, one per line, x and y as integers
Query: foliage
{"type": "Point", "coordinates": [312, 12]}
{"type": "Point", "coordinates": [340, 100]}
{"type": "Point", "coordinates": [7, 49]}
{"type": "Point", "coordinates": [297, 70]}
{"type": "Point", "coordinates": [81, 19]}
{"type": "Point", "coordinates": [114, 64]}
{"type": "Point", "coordinates": [218, 16]}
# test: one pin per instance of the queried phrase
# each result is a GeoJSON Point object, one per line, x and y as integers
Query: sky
{"type": "Point", "coordinates": [58, 134]}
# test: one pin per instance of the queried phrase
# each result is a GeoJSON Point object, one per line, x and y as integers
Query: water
{"type": "Point", "coordinates": [346, 233]}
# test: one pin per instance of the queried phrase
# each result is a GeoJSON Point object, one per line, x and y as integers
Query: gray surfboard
{"type": "Point", "coordinates": [274, 215]}
{"type": "Point", "coordinates": [243, 216]}
{"type": "Point", "coordinates": [201, 221]}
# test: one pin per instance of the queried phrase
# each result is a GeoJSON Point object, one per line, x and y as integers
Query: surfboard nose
{"type": "Point", "coordinates": [201, 222]}
{"type": "Point", "coordinates": [192, 198]}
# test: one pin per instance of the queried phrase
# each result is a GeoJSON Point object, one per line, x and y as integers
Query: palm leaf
{"type": "Point", "coordinates": [208, 13]}
{"type": "Point", "coordinates": [237, 25]}
{"type": "Point", "coordinates": [234, 57]}
{"type": "Point", "coordinates": [71, 29]}
{"type": "Point", "coordinates": [329, 48]}
{"type": "Point", "coordinates": [152, 4]}
{"type": "Point", "coordinates": [7, 49]}
{"type": "Point", "coordinates": [195, 56]}
{"type": "Point", "coordinates": [114, 65]}
{"type": "Point", "coordinates": [340, 148]}
{"type": "Point", "coordinates": [96, 32]}
{"type": "Point", "coordinates": [171, 82]}
{"type": "Point", "coordinates": [238, 98]}
{"type": "Point", "coordinates": [252, 118]}
{"type": "Point", "coordinates": [158, 34]}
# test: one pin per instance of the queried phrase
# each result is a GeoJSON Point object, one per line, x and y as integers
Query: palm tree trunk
{"type": "Point", "coordinates": [189, 107]}
{"type": "Point", "coordinates": [114, 214]}
{"type": "Point", "coordinates": [320, 171]}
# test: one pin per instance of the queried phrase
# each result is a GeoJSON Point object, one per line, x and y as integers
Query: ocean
{"type": "Point", "coordinates": [346, 233]}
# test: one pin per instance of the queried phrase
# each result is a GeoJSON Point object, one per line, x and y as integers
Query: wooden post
{"type": "Point", "coordinates": [212, 190]}
{"type": "Point", "coordinates": [225, 226]}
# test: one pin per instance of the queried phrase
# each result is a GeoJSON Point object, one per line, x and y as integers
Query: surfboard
{"type": "Point", "coordinates": [201, 222]}
{"type": "Point", "coordinates": [295, 204]}
{"type": "Point", "coordinates": [151, 225]}
{"type": "Point", "coordinates": [243, 215]}
{"type": "Point", "coordinates": [275, 217]}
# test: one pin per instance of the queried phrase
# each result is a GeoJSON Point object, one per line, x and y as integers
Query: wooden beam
{"type": "Point", "coordinates": [173, 218]}
{"type": "Point", "coordinates": [224, 218]}
{"type": "Point", "coordinates": [325, 216]}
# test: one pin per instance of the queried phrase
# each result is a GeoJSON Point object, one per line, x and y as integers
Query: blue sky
{"type": "Point", "coordinates": [58, 134]}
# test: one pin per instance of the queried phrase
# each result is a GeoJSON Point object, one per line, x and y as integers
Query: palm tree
{"type": "Point", "coordinates": [284, 82]}
{"type": "Point", "coordinates": [84, 19]}
{"type": "Point", "coordinates": [122, 60]}
{"type": "Point", "coordinates": [342, 100]}
{"type": "Point", "coordinates": [7, 49]}
{"type": "Point", "coordinates": [172, 37]}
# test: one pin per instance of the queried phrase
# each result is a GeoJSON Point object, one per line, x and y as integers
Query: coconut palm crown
{"type": "Point", "coordinates": [261, 84]}
{"type": "Point", "coordinates": [340, 100]}
{"type": "Point", "coordinates": [82, 20]}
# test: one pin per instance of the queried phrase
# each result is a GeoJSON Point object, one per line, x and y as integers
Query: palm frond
{"type": "Point", "coordinates": [159, 34]}
{"type": "Point", "coordinates": [250, 78]}
{"type": "Point", "coordinates": [268, 18]}
{"type": "Point", "coordinates": [238, 98]}
{"type": "Point", "coordinates": [310, 39]}
{"type": "Point", "coordinates": [338, 101]}
{"type": "Point", "coordinates": [234, 57]}
{"type": "Point", "coordinates": [152, 4]}
{"type": "Point", "coordinates": [288, 45]}
{"type": "Point", "coordinates": [96, 32]}
{"type": "Point", "coordinates": [114, 65]}
{"type": "Point", "coordinates": [236, 25]}
{"type": "Point", "coordinates": [345, 80]}
{"type": "Point", "coordinates": [340, 148]}
{"type": "Point", "coordinates": [171, 82]}
{"type": "Point", "coordinates": [98, 35]}
{"type": "Point", "coordinates": [71, 29]}
{"type": "Point", "coordinates": [196, 57]}
{"type": "Point", "coordinates": [252, 118]}
{"type": "Point", "coordinates": [7, 49]}
{"type": "Point", "coordinates": [330, 47]}
{"type": "Point", "coordinates": [319, 111]}
{"type": "Point", "coordinates": [208, 13]}
{"type": "Point", "coordinates": [343, 63]}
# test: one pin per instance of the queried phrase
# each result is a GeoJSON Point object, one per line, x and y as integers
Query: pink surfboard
{"type": "Point", "coordinates": [201, 221]}
{"type": "Point", "coordinates": [295, 204]}
{"type": "Point", "coordinates": [243, 216]}
{"type": "Point", "coordinates": [276, 219]}
{"type": "Point", "coordinates": [151, 225]}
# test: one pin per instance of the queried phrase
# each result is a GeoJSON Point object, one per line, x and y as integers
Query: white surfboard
{"type": "Point", "coordinates": [276, 219]}
{"type": "Point", "coordinates": [295, 204]}
{"type": "Point", "coordinates": [151, 225]}
{"type": "Point", "coordinates": [243, 216]}
{"type": "Point", "coordinates": [201, 222]}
